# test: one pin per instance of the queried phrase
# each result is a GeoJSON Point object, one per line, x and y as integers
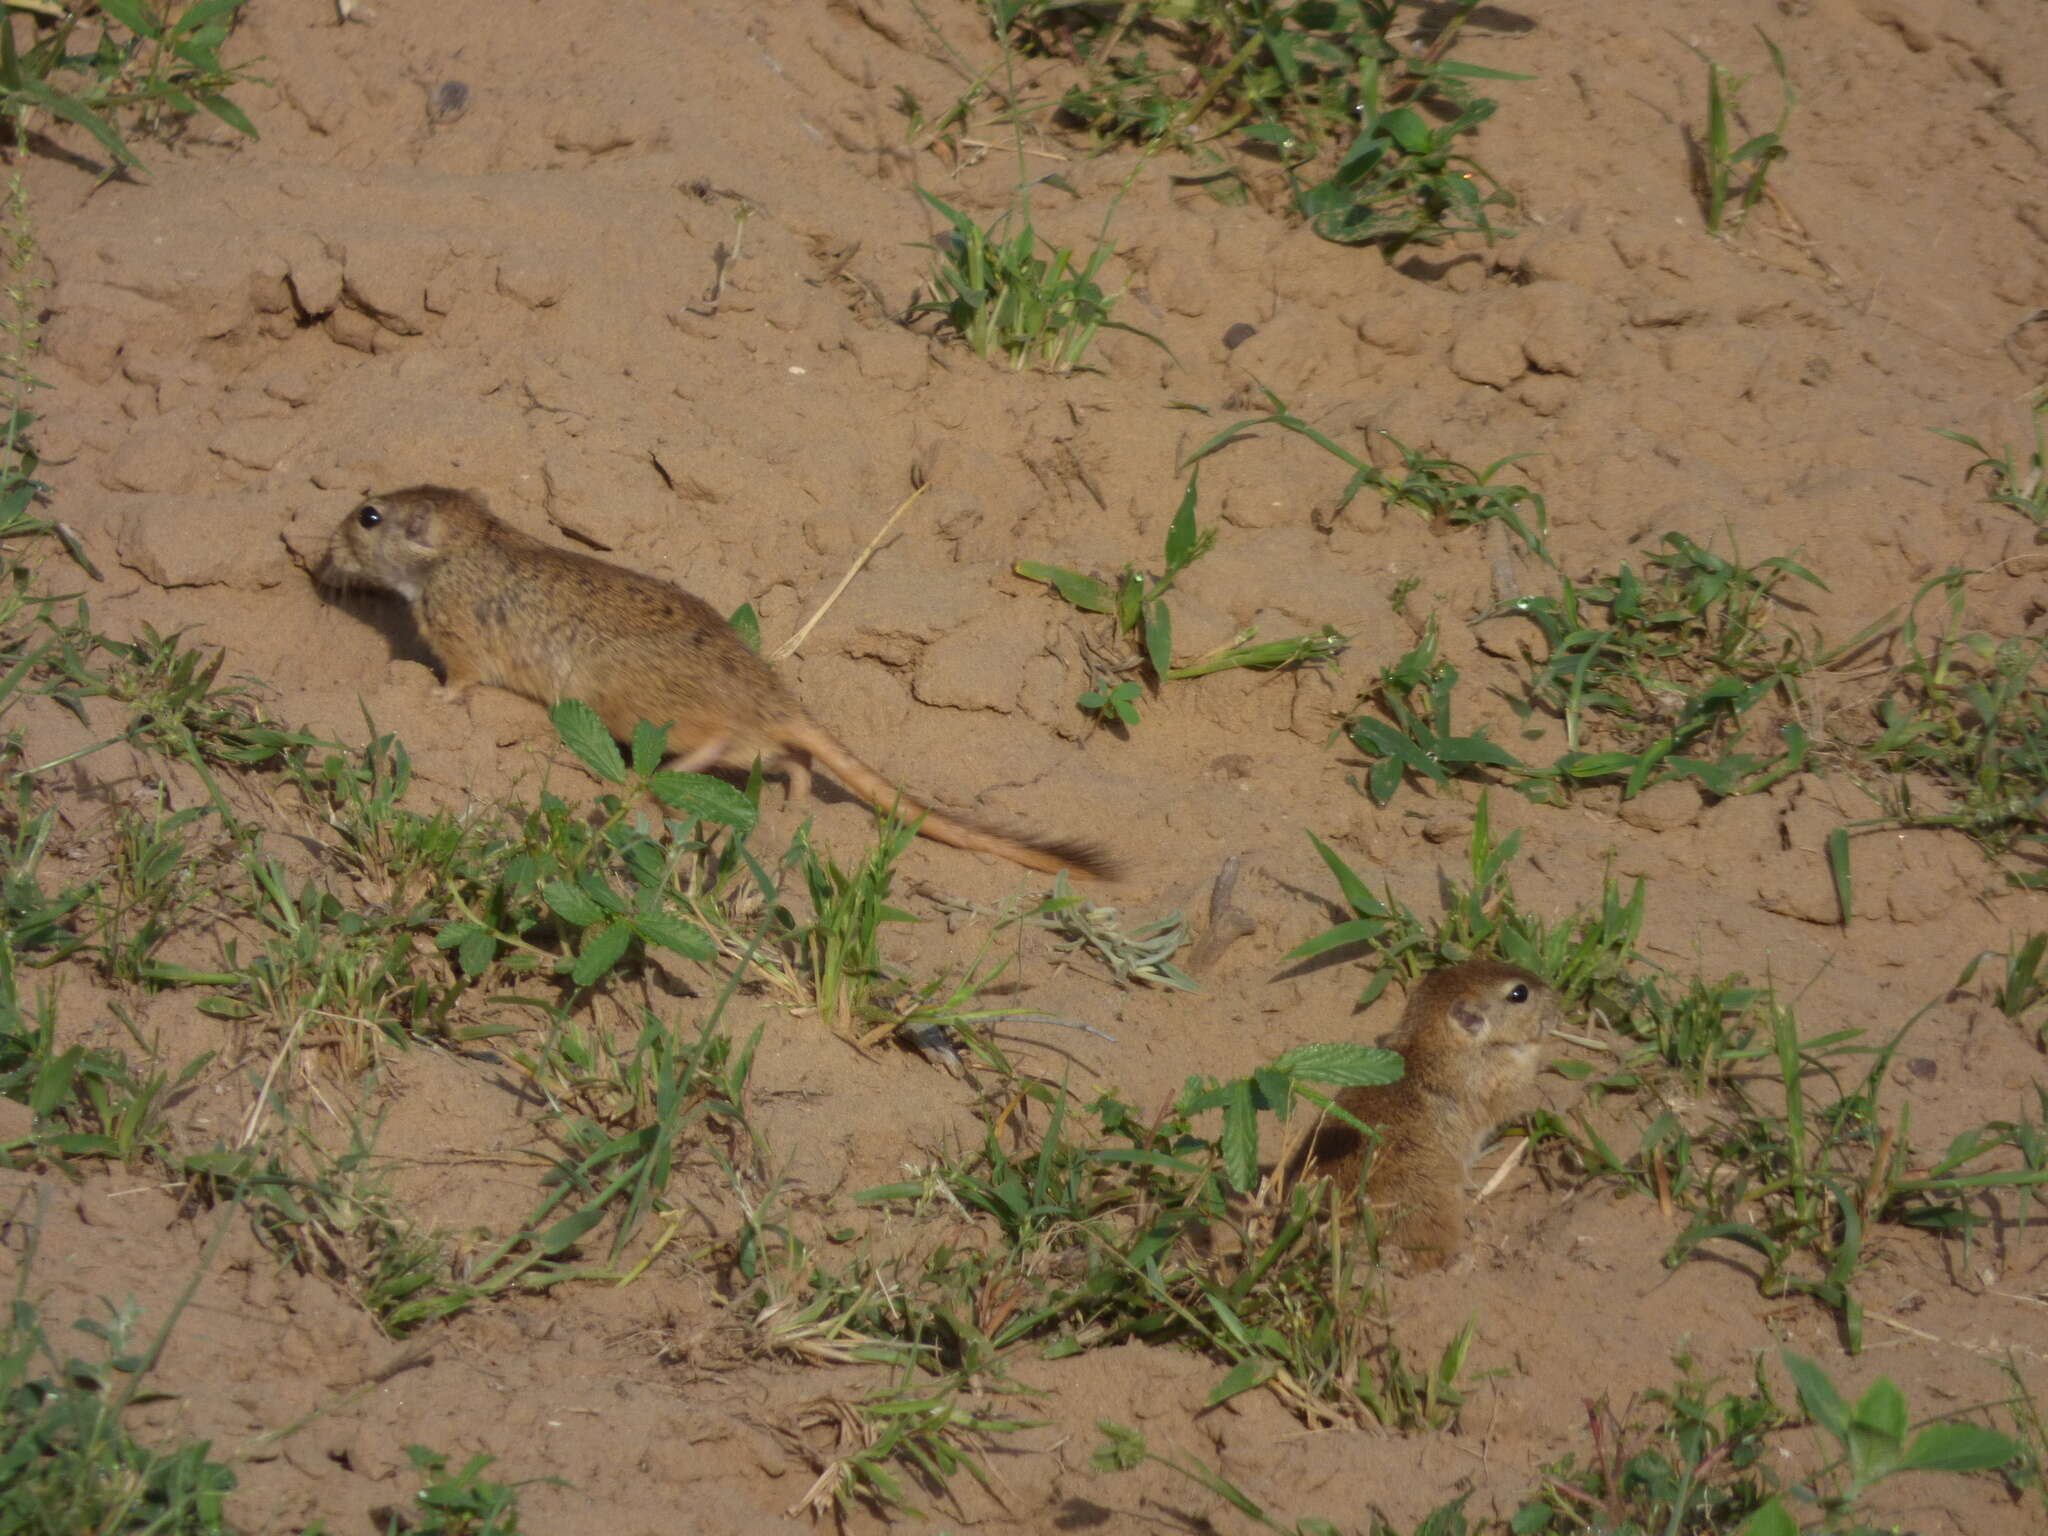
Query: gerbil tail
{"type": "Point", "coordinates": [1084, 859]}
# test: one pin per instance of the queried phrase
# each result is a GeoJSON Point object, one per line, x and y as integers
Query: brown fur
{"type": "Point", "coordinates": [503, 609]}
{"type": "Point", "coordinates": [1471, 1054]}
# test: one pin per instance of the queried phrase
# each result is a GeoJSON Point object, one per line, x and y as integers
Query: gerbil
{"type": "Point", "coordinates": [1469, 1037]}
{"type": "Point", "coordinates": [504, 609]}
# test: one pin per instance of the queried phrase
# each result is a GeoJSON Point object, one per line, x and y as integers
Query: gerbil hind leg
{"type": "Point", "coordinates": [706, 754]}
{"type": "Point", "coordinates": [797, 764]}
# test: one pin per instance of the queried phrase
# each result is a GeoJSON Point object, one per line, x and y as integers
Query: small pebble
{"type": "Point", "coordinates": [447, 101]}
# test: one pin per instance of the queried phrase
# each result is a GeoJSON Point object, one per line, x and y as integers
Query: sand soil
{"type": "Point", "coordinates": [518, 297]}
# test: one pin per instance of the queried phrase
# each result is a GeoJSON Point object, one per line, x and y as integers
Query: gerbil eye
{"type": "Point", "coordinates": [1519, 992]}
{"type": "Point", "coordinates": [368, 517]}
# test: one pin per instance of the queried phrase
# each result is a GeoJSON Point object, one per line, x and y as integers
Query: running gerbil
{"type": "Point", "coordinates": [1469, 1037]}
{"type": "Point", "coordinates": [501, 608]}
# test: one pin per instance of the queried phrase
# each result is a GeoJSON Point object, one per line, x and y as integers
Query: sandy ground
{"type": "Point", "coordinates": [252, 335]}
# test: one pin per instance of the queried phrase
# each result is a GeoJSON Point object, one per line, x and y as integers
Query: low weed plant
{"type": "Point", "coordinates": [1135, 603]}
{"type": "Point", "coordinates": [1722, 160]}
{"type": "Point", "coordinates": [1371, 129]}
{"type": "Point", "coordinates": [89, 67]}
{"type": "Point", "coordinates": [1435, 487]}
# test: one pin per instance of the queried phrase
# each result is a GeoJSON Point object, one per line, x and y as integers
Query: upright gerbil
{"type": "Point", "coordinates": [1469, 1037]}
{"type": "Point", "coordinates": [501, 608]}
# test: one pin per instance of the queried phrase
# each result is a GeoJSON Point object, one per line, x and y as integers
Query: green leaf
{"type": "Point", "coordinates": [1181, 539]}
{"type": "Point", "coordinates": [73, 110]}
{"type": "Point", "coordinates": [1159, 638]}
{"type": "Point", "coordinates": [1345, 1065]}
{"type": "Point", "coordinates": [1084, 592]}
{"type": "Point", "coordinates": [1382, 740]}
{"type": "Point", "coordinates": [1476, 71]}
{"type": "Point", "coordinates": [599, 890]}
{"type": "Point", "coordinates": [1240, 1139]}
{"type": "Point", "coordinates": [133, 15]}
{"type": "Point", "coordinates": [53, 1083]}
{"type": "Point", "coordinates": [1361, 900]}
{"type": "Point", "coordinates": [602, 949]}
{"type": "Point", "coordinates": [747, 625]}
{"type": "Point", "coordinates": [703, 798]}
{"type": "Point", "coordinates": [476, 952]}
{"type": "Point", "coordinates": [571, 903]}
{"type": "Point", "coordinates": [1407, 129]}
{"type": "Point", "coordinates": [650, 746]}
{"type": "Point", "coordinates": [1772, 1520]}
{"type": "Point", "coordinates": [1959, 1448]}
{"type": "Point", "coordinates": [1271, 133]}
{"type": "Point", "coordinates": [1882, 1408]}
{"type": "Point", "coordinates": [584, 734]}
{"type": "Point", "coordinates": [1822, 1402]}
{"type": "Point", "coordinates": [1838, 865]}
{"type": "Point", "coordinates": [1246, 1375]}
{"type": "Point", "coordinates": [569, 1229]}
{"type": "Point", "coordinates": [1360, 931]}
{"type": "Point", "coordinates": [672, 933]}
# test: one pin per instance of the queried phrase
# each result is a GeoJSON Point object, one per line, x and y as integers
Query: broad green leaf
{"type": "Point", "coordinates": [672, 933]}
{"type": "Point", "coordinates": [1383, 780]}
{"type": "Point", "coordinates": [1822, 1402]}
{"type": "Point", "coordinates": [1407, 129]}
{"type": "Point", "coordinates": [650, 746]}
{"type": "Point", "coordinates": [571, 903]}
{"type": "Point", "coordinates": [1882, 1408]}
{"type": "Point", "coordinates": [599, 890]}
{"type": "Point", "coordinates": [1344, 1065]}
{"type": "Point", "coordinates": [602, 949]}
{"type": "Point", "coordinates": [1959, 1448]}
{"type": "Point", "coordinates": [1240, 1139]}
{"type": "Point", "coordinates": [584, 734]}
{"type": "Point", "coordinates": [1772, 1520]}
{"type": "Point", "coordinates": [747, 625]}
{"type": "Point", "coordinates": [476, 953]}
{"type": "Point", "coordinates": [703, 798]}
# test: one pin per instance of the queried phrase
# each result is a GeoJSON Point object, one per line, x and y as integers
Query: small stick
{"type": "Point", "coordinates": [1507, 1166]}
{"type": "Point", "coordinates": [1227, 924]}
{"type": "Point", "coordinates": [788, 647]}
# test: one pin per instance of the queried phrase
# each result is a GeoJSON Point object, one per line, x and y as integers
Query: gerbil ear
{"type": "Point", "coordinates": [1469, 1016]}
{"type": "Point", "coordinates": [419, 525]}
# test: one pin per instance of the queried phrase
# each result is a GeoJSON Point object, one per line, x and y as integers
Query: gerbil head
{"type": "Point", "coordinates": [1486, 1002]}
{"type": "Point", "coordinates": [392, 541]}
